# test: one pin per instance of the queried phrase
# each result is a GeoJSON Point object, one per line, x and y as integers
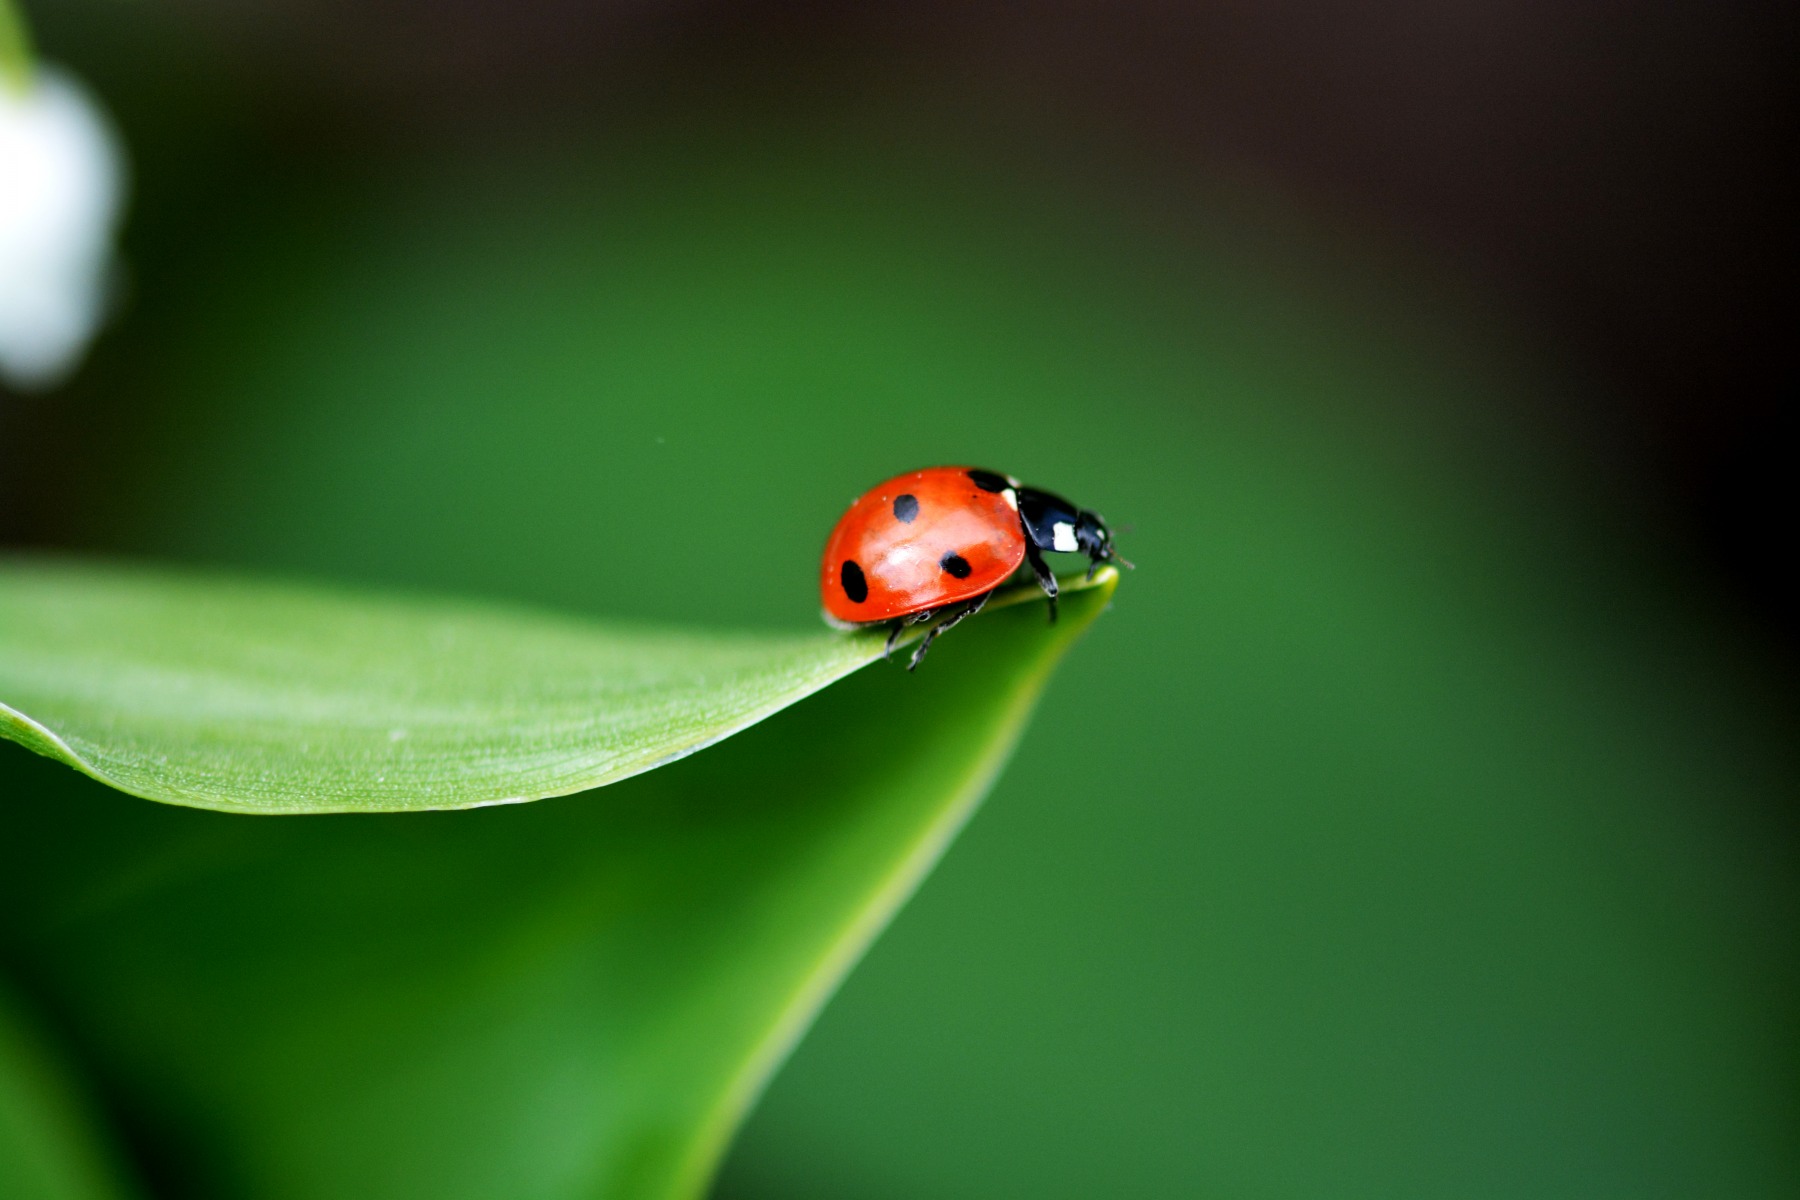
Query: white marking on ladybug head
{"type": "Point", "coordinates": [1062, 537]}
{"type": "Point", "coordinates": [1011, 497]}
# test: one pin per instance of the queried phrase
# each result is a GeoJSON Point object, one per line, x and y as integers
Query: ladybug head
{"type": "Point", "coordinates": [1094, 539]}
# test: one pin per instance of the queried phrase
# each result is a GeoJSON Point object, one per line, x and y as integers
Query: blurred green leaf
{"type": "Point", "coordinates": [579, 997]}
{"type": "Point", "coordinates": [250, 697]}
{"type": "Point", "coordinates": [47, 1149]}
{"type": "Point", "coordinates": [15, 47]}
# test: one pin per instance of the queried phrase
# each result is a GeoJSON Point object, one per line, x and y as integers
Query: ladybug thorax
{"type": "Point", "coordinates": [1049, 520]}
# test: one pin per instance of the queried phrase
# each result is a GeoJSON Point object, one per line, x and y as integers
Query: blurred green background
{"type": "Point", "coordinates": [1419, 823]}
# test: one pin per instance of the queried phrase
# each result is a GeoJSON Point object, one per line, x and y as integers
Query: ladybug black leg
{"type": "Point", "coordinates": [1046, 579]}
{"type": "Point", "coordinates": [967, 610]}
{"type": "Point", "coordinates": [902, 624]}
{"type": "Point", "coordinates": [1110, 555]}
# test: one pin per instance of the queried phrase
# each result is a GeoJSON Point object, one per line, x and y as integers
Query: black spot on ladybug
{"type": "Point", "coordinates": [906, 507]}
{"type": "Point", "coordinates": [855, 586]}
{"type": "Point", "coordinates": [987, 481]}
{"type": "Point", "coordinates": [956, 564]}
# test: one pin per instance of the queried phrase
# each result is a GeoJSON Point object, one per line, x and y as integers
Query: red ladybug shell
{"type": "Point", "coordinates": [921, 540]}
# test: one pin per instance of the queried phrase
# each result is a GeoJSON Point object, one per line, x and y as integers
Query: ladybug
{"type": "Point", "coordinates": [938, 542]}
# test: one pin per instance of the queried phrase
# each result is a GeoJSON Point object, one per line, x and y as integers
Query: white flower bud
{"type": "Point", "coordinates": [61, 178]}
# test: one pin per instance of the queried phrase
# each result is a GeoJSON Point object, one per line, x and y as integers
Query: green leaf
{"type": "Point", "coordinates": [15, 47]}
{"type": "Point", "coordinates": [578, 997]}
{"type": "Point", "coordinates": [249, 697]}
{"type": "Point", "coordinates": [48, 1147]}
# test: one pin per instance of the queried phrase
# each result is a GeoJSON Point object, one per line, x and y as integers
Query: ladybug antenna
{"type": "Point", "coordinates": [1112, 552]}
